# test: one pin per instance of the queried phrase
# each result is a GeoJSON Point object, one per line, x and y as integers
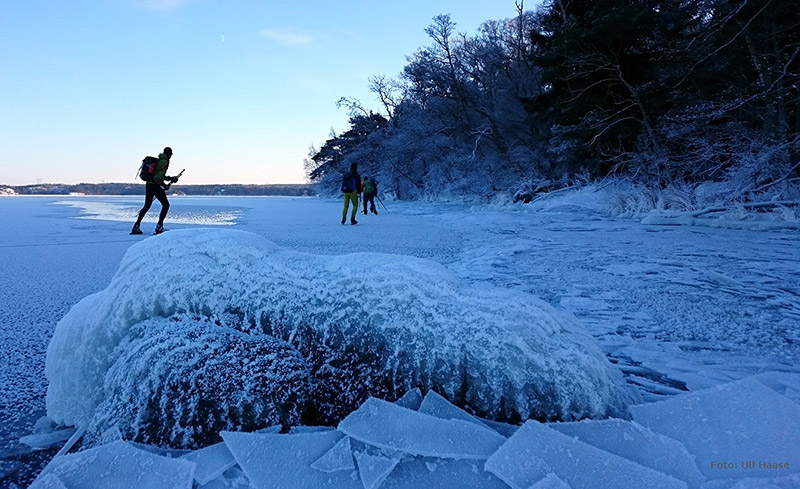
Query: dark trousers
{"type": "Point", "coordinates": [369, 198]}
{"type": "Point", "coordinates": [154, 190]}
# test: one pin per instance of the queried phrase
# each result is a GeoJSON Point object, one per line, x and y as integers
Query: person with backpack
{"type": "Point", "coordinates": [351, 187]}
{"type": "Point", "coordinates": [155, 176]}
{"type": "Point", "coordinates": [370, 191]}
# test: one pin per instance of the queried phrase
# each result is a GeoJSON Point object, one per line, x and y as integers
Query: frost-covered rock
{"type": "Point", "coordinates": [180, 381]}
{"type": "Point", "coordinates": [367, 324]}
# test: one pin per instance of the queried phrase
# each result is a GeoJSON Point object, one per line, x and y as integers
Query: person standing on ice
{"type": "Point", "coordinates": [351, 187]}
{"type": "Point", "coordinates": [370, 191]}
{"type": "Point", "coordinates": [157, 189]}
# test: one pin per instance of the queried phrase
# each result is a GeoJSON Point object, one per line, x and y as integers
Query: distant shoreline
{"type": "Point", "coordinates": [127, 189]}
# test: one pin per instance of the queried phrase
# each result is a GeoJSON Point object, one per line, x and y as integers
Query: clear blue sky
{"type": "Point", "coordinates": [239, 89]}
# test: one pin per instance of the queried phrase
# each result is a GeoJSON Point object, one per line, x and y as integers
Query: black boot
{"type": "Point", "coordinates": [159, 229]}
{"type": "Point", "coordinates": [136, 229]}
{"type": "Point", "coordinates": [353, 221]}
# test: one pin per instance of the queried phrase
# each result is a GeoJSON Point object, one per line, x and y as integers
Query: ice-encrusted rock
{"type": "Point", "coordinates": [180, 381]}
{"type": "Point", "coordinates": [408, 323]}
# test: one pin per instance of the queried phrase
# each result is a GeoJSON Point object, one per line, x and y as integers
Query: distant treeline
{"type": "Point", "coordinates": [138, 189]}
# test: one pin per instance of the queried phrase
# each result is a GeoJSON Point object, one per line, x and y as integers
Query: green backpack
{"type": "Point", "coordinates": [368, 187]}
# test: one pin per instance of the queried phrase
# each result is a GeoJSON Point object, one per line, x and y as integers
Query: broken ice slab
{"type": "Point", "coordinates": [211, 461]}
{"type": "Point", "coordinates": [436, 405]}
{"type": "Point", "coordinates": [48, 481]}
{"type": "Point", "coordinates": [386, 425]}
{"type": "Point", "coordinates": [504, 429]}
{"type": "Point", "coordinates": [411, 399]}
{"type": "Point", "coordinates": [276, 461]}
{"type": "Point", "coordinates": [438, 473]}
{"type": "Point", "coordinates": [119, 465]}
{"type": "Point", "coordinates": [308, 429]}
{"type": "Point", "coordinates": [550, 481]}
{"type": "Point", "coordinates": [43, 441]}
{"type": "Point", "coordinates": [736, 430]}
{"type": "Point", "coordinates": [340, 457]}
{"type": "Point", "coordinates": [536, 450]}
{"type": "Point", "coordinates": [784, 383]}
{"type": "Point", "coordinates": [374, 469]}
{"type": "Point", "coordinates": [638, 444]}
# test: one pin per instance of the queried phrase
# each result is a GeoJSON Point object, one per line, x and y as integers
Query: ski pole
{"type": "Point", "coordinates": [166, 187]}
{"type": "Point", "coordinates": [384, 205]}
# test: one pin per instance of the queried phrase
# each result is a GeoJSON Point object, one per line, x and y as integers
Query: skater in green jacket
{"type": "Point", "coordinates": [156, 190]}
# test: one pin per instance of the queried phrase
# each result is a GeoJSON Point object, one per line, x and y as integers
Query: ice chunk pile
{"type": "Point", "coordinates": [408, 323]}
{"type": "Point", "coordinates": [432, 443]}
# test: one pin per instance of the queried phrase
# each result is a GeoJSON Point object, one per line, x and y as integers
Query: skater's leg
{"type": "Point", "coordinates": [162, 197]}
{"type": "Point", "coordinates": [149, 194]}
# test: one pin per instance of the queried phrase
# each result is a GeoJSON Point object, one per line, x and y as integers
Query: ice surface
{"type": "Point", "coordinates": [48, 481]}
{"type": "Point", "coordinates": [785, 383]}
{"type": "Point", "coordinates": [411, 399]}
{"type": "Point", "coordinates": [634, 442]}
{"type": "Point", "coordinates": [211, 462]}
{"type": "Point", "coordinates": [374, 469]}
{"type": "Point", "coordinates": [425, 472]}
{"type": "Point", "coordinates": [743, 425]}
{"type": "Point", "coordinates": [41, 441]}
{"type": "Point", "coordinates": [438, 406]}
{"type": "Point", "coordinates": [536, 450]}
{"type": "Point", "coordinates": [504, 429]}
{"type": "Point", "coordinates": [340, 457]}
{"type": "Point", "coordinates": [275, 461]}
{"type": "Point", "coordinates": [386, 425]}
{"type": "Point", "coordinates": [502, 350]}
{"type": "Point", "coordinates": [550, 481]}
{"type": "Point", "coordinates": [309, 429]}
{"type": "Point", "coordinates": [118, 465]}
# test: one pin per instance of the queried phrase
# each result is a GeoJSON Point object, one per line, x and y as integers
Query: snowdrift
{"type": "Point", "coordinates": [336, 329]}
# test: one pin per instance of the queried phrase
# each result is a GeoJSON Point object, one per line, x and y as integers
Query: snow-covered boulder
{"type": "Point", "coordinates": [180, 381]}
{"type": "Point", "coordinates": [367, 324]}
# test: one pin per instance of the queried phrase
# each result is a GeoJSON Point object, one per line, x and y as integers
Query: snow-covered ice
{"type": "Point", "coordinates": [677, 305]}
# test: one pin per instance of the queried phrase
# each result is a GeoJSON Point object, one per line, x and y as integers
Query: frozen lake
{"type": "Point", "coordinates": [676, 307]}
